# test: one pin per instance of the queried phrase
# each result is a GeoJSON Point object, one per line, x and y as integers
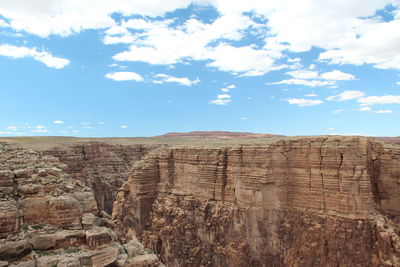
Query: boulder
{"type": "Point", "coordinates": [98, 237]}
{"type": "Point", "coordinates": [146, 260]}
{"type": "Point", "coordinates": [133, 248]}
{"type": "Point", "coordinates": [43, 242]}
{"type": "Point", "coordinates": [106, 257]}
{"type": "Point", "coordinates": [14, 249]}
{"type": "Point", "coordinates": [30, 263]}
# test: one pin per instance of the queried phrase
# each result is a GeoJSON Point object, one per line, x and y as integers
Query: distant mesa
{"type": "Point", "coordinates": [217, 134]}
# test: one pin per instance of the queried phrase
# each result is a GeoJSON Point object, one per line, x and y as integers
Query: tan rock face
{"type": "Point", "coordinates": [101, 166]}
{"type": "Point", "coordinates": [294, 202]}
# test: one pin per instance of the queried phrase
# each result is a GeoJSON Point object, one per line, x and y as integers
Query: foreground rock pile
{"type": "Point", "coordinates": [49, 219]}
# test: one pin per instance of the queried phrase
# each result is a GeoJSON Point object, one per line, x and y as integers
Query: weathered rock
{"type": "Point", "coordinates": [43, 242]}
{"type": "Point", "coordinates": [133, 248]}
{"type": "Point", "coordinates": [146, 260]}
{"type": "Point", "coordinates": [98, 237]}
{"type": "Point", "coordinates": [10, 217]}
{"type": "Point", "coordinates": [29, 263]}
{"type": "Point", "coordinates": [89, 220]}
{"type": "Point", "coordinates": [47, 261]}
{"type": "Point", "coordinates": [121, 260]}
{"type": "Point", "coordinates": [14, 249]}
{"type": "Point", "coordinates": [3, 263]}
{"type": "Point", "coordinates": [69, 262]}
{"type": "Point", "coordinates": [65, 211]}
{"type": "Point", "coordinates": [105, 257]}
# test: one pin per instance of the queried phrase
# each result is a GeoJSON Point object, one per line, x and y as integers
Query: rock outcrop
{"type": "Point", "coordinates": [324, 201]}
{"type": "Point", "coordinates": [48, 218]}
{"type": "Point", "coordinates": [100, 166]}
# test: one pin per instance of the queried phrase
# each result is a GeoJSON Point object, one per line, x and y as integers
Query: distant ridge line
{"type": "Point", "coordinates": [217, 134]}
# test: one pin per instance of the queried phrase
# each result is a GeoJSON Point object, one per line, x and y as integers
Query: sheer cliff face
{"type": "Point", "coordinates": [101, 166]}
{"type": "Point", "coordinates": [295, 202]}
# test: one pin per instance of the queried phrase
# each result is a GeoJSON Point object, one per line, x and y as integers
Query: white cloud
{"type": "Point", "coordinates": [337, 75]}
{"type": "Point", "coordinates": [85, 123]}
{"type": "Point", "coordinates": [336, 111]}
{"type": "Point", "coordinates": [347, 32]}
{"type": "Point", "coordinates": [3, 23]}
{"type": "Point", "coordinates": [124, 76]}
{"type": "Point", "coordinates": [39, 129]}
{"type": "Point", "coordinates": [225, 90]}
{"type": "Point", "coordinates": [346, 95]}
{"type": "Point", "coordinates": [243, 118]}
{"type": "Point", "coordinates": [165, 78]}
{"type": "Point", "coordinates": [373, 100]}
{"type": "Point", "coordinates": [311, 95]}
{"type": "Point", "coordinates": [291, 60]}
{"type": "Point", "coordinates": [221, 99]}
{"type": "Point", "coordinates": [58, 122]}
{"type": "Point", "coordinates": [311, 83]}
{"type": "Point", "coordinates": [302, 102]}
{"type": "Point", "coordinates": [64, 18]}
{"type": "Point", "coordinates": [365, 109]}
{"type": "Point", "coordinates": [123, 126]}
{"type": "Point", "coordinates": [398, 83]}
{"type": "Point", "coordinates": [232, 86]}
{"type": "Point", "coordinates": [385, 111]}
{"type": "Point", "coordinates": [49, 60]}
{"type": "Point", "coordinates": [12, 128]}
{"type": "Point", "coordinates": [303, 74]}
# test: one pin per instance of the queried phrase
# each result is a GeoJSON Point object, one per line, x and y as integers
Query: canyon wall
{"type": "Point", "coordinates": [312, 201]}
{"type": "Point", "coordinates": [101, 166]}
{"type": "Point", "coordinates": [323, 201]}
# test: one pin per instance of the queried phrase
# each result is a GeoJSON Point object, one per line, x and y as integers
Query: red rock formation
{"type": "Point", "coordinates": [324, 201]}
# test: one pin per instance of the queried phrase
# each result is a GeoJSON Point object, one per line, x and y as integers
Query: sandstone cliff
{"type": "Point", "coordinates": [325, 201]}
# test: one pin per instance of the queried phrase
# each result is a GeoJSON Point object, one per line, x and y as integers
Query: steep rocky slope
{"type": "Point", "coordinates": [101, 166]}
{"type": "Point", "coordinates": [324, 201]}
{"type": "Point", "coordinates": [48, 218]}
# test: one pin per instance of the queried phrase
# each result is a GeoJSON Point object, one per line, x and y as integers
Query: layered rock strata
{"type": "Point", "coordinates": [323, 201]}
{"type": "Point", "coordinates": [100, 166]}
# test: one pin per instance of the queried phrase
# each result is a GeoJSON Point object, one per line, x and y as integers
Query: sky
{"type": "Point", "coordinates": [126, 68]}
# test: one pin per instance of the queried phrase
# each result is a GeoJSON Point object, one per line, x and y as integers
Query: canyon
{"type": "Point", "coordinates": [262, 201]}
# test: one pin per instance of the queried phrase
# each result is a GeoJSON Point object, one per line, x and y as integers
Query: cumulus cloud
{"type": "Point", "coordinates": [124, 76]}
{"type": "Point", "coordinates": [347, 33]}
{"type": "Point", "coordinates": [337, 75]}
{"type": "Point", "coordinates": [303, 102]}
{"type": "Point", "coordinates": [49, 60]}
{"type": "Point", "coordinates": [311, 83]}
{"type": "Point", "coordinates": [313, 78]}
{"type": "Point", "coordinates": [58, 122]}
{"type": "Point", "coordinates": [221, 99]}
{"type": "Point", "coordinates": [374, 100]}
{"type": "Point", "coordinates": [123, 126]}
{"type": "Point", "coordinates": [346, 95]}
{"type": "Point", "coordinates": [39, 129]}
{"type": "Point", "coordinates": [384, 111]}
{"type": "Point", "coordinates": [165, 78]}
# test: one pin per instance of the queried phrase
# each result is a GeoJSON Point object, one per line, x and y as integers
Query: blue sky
{"type": "Point", "coordinates": [91, 68]}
